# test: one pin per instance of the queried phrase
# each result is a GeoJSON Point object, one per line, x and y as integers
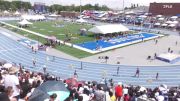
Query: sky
{"type": "Point", "coordinates": [115, 4]}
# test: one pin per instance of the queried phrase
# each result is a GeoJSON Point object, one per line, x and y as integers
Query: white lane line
{"type": "Point", "coordinates": [5, 50]}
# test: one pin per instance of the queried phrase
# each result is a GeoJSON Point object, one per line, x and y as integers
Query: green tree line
{"type": "Point", "coordinates": [17, 5]}
{"type": "Point", "coordinates": [14, 5]}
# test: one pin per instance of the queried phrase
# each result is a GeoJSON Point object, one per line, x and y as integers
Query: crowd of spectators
{"type": "Point", "coordinates": [17, 84]}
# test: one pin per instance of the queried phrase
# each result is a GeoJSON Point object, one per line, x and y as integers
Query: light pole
{"type": "Point", "coordinates": [123, 7]}
{"type": "Point", "coordinates": [80, 7]}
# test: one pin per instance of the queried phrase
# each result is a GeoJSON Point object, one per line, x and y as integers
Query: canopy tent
{"type": "Point", "coordinates": [168, 22]}
{"type": "Point", "coordinates": [174, 22]}
{"type": "Point", "coordinates": [33, 17]}
{"type": "Point", "coordinates": [157, 24]}
{"type": "Point", "coordinates": [111, 28]}
{"type": "Point", "coordinates": [53, 15]}
{"type": "Point", "coordinates": [159, 16]}
{"type": "Point", "coordinates": [129, 12]}
{"type": "Point", "coordinates": [128, 16]}
{"type": "Point", "coordinates": [164, 25]}
{"type": "Point", "coordinates": [160, 19]}
{"type": "Point", "coordinates": [83, 29]}
{"type": "Point", "coordinates": [16, 13]}
{"type": "Point", "coordinates": [103, 19]}
{"type": "Point", "coordinates": [6, 12]}
{"type": "Point", "coordinates": [143, 16]}
{"type": "Point", "coordinates": [174, 17]}
{"type": "Point", "coordinates": [81, 20]}
{"type": "Point", "coordinates": [24, 22]}
{"type": "Point", "coordinates": [171, 25]}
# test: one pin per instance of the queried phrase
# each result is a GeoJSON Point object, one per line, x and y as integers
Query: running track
{"type": "Point", "coordinates": [13, 51]}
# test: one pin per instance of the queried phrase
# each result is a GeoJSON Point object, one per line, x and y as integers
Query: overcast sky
{"type": "Point", "coordinates": [109, 3]}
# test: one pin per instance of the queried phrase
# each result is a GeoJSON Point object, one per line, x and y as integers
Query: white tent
{"type": "Point", "coordinates": [6, 12]}
{"type": "Point", "coordinates": [112, 28]}
{"type": "Point", "coordinates": [157, 24]}
{"type": "Point", "coordinates": [33, 17]}
{"type": "Point", "coordinates": [24, 22]}
{"type": "Point", "coordinates": [103, 19]}
{"type": "Point", "coordinates": [160, 19]}
{"type": "Point", "coordinates": [174, 22]}
{"type": "Point", "coordinates": [16, 13]}
{"type": "Point", "coordinates": [164, 25]}
{"type": "Point", "coordinates": [128, 16]}
{"type": "Point", "coordinates": [168, 22]}
{"type": "Point", "coordinates": [130, 12]}
{"type": "Point", "coordinates": [53, 15]}
{"type": "Point", "coordinates": [171, 25]}
{"type": "Point", "coordinates": [142, 16]}
{"type": "Point", "coordinates": [81, 20]}
{"type": "Point", "coordinates": [102, 15]}
{"type": "Point", "coordinates": [174, 17]}
{"type": "Point", "coordinates": [159, 16]}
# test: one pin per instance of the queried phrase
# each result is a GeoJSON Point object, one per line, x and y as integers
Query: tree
{"type": "Point", "coordinates": [137, 5]}
{"type": "Point", "coordinates": [96, 7]}
{"type": "Point", "coordinates": [20, 5]}
{"type": "Point", "coordinates": [131, 5]}
{"type": "Point", "coordinates": [125, 8]}
{"type": "Point", "coordinates": [104, 8]}
{"type": "Point", "coordinates": [134, 6]}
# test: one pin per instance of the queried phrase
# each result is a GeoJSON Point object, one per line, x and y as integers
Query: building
{"type": "Point", "coordinates": [69, 14]}
{"type": "Point", "coordinates": [167, 9]}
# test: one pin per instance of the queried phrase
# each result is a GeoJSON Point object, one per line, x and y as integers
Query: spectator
{"type": "Point", "coordinates": [126, 97]}
{"type": "Point", "coordinates": [113, 98]}
{"type": "Point", "coordinates": [80, 98]}
{"type": "Point", "coordinates": [71, 96]}
{"type": "Point", "coordinates": [12, 80]}
{"type": "Point", "coordinates": [52, 97]}
{"type": "Point", "coordinates": [119, 91]}
{"type": "Point", "coordinates": [4, 96]}
{"type": "Point", "coordinates": [85, 95]}
{"type": "Point", "coordinates": [99, 94]}
{"type": "Point", "coordinates": [9, 91]}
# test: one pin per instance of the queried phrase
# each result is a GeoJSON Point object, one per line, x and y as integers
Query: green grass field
{"type": "Point", "coordinates": [70, 29]}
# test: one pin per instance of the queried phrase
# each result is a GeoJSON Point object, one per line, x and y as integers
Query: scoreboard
{"type": "Point", "coordinates": [168, 9]}
{"type": "Point", "coordinates": [39, 7]}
